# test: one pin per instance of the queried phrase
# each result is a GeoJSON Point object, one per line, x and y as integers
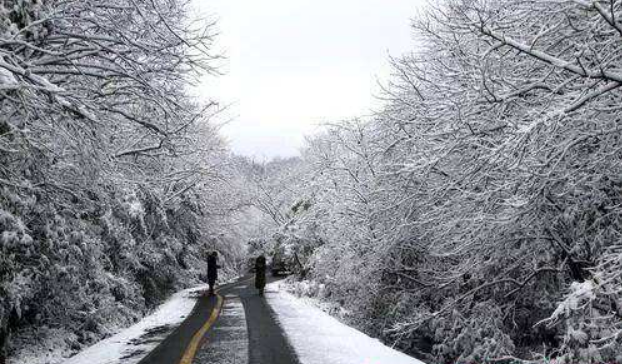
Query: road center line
{"type": "Point", "coordinates": [191, 350]}
{"type": "Point", "coordinates": [193, 346]}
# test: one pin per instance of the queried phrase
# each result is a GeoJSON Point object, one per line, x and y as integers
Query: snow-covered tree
{"type": "Point", "coordinates": [109, 170]}
{"type": "Point", "coordinates": [481, 203]}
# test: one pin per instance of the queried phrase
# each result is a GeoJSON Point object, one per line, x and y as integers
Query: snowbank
{"type": "Point", "coordinates": [319, 338]}
{"type": "Point", "coordinates": [134, 343]}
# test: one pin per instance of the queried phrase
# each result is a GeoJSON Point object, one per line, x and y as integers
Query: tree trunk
{"type": "Point", "coordinates": [3, 340]}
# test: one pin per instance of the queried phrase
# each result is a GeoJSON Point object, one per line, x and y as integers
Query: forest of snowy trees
{"type": "Point", "coordinates": [477, 215]}
{"type": "Point", "coordinates": [474, 217]}
{"type": "Point", "coordinates": [112, 179]}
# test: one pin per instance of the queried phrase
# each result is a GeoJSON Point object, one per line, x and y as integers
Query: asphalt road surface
{"type": "Point", "coordinates": [234, 327]}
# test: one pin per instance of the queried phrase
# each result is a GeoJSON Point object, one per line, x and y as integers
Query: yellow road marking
{"type": "Point", "coordinates": [192, 348]}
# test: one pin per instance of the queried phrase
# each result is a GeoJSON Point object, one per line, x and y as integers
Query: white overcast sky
{"type": "Point", "coordinates": [294, 64]}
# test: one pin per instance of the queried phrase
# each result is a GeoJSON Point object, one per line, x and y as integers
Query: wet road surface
{"type": "Point", "coordinates": [240, 329]}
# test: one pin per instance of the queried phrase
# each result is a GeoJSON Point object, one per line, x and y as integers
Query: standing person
{"type": "Point", "coordinates": [212, 271]}
{"type": "Point", "coordinates": [260, 273]}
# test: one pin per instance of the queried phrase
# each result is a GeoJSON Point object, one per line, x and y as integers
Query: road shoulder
{"type": "Point", "coordinates": [133, 344]}
{"type": "Point", "coordinates": [319, 338]}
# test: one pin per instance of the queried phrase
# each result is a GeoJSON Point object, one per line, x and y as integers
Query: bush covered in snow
{"type": "Point", "coordinates": [477, 215]}
{"type": "Point", "coordinates": [111, 176]}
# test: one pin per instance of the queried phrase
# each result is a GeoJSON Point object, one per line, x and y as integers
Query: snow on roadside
{"type": "Point", "coordinates": [134, 343]}
{"type": "Point", "coordinates": [318, 338]}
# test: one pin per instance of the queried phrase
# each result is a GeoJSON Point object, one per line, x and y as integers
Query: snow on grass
{"type": "Point", "coordinates": [134, 343]}
{"type": "Point", "coordinates": [318, 338]}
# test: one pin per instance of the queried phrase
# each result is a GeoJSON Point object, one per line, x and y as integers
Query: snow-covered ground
{"type": "Point", "coordinates": [134, 343]}
{"type": "Point", "coordinates": [318, 338]}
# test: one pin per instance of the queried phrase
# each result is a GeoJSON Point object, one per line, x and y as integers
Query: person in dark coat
{"type": "Point", "coordinates": [212, 271]}
{"type": "Point", "coordinates": [260, 273]}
